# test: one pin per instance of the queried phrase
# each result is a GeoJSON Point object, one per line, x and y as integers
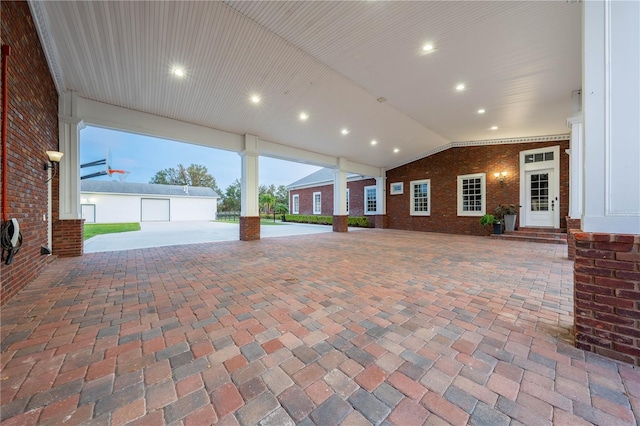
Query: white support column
{"type": "Point", "coordinates": [69, 125]}
{"type": "Point", "coordinates": [381, 194]}
{"type": "Point", "coordinates": [576, 167]}
{"type": "Point", "coordinates": [611, 106]}
{"type": "Point", "coordinates": [340, 189]}
{"type": "Point", "coordinates": [250, 160]}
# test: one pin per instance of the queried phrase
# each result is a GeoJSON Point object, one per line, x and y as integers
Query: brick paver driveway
{"type": "Point", "coordinates": [369, 327]}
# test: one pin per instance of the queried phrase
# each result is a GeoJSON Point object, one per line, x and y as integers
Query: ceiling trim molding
{"type": "Point", "coordinates": [529, 139]}
{"type": "Point", "coordinates": [41, 22]}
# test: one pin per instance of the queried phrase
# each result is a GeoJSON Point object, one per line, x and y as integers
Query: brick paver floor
{"type": "Point", "coordinates": [372, 327]}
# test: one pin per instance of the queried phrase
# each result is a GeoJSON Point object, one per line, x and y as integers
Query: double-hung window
{"type": "Point", "coordinates": [370, 200]}
{"type": "Point", "coordinates": [472, 195]}
{"type": "Point", "coordinates": [317, 203]}
{"type": "Point", "coordinates": [420, 197]}
{"type": "Point", "coordinates": [295, 204]}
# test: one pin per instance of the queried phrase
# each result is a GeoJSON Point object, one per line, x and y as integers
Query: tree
{"type": "Point", "coordinates": [231, 197]}
{"type": "Point", "coordinates": [194, 175]}
{"type": "Point", "coordinates": [267, 201]}
{"type": "Point", "coordinates": [282, 195]}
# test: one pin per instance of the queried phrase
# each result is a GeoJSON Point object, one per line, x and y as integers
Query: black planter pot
{"type": "Point", "coordinates": [497, 228]}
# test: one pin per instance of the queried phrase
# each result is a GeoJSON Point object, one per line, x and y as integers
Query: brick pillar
{"type": "Point", "coordinates": [340, 223]}
{"type": "Point", "coordinates": [607, 295]}
{"type": "Point", "coordinates": [573, 226]}
{"type": "Point", "coordinates": [67, 239]}
{"type": "Point", "coordinates": [249, 228]}
{"type": "Point", "coordinates": [381, 221]}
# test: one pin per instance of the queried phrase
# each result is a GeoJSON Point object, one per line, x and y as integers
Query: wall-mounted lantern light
{"type": "Point", "coordinates": [500, 177]}
{"type": "Point", "coordinates": [54, 159]}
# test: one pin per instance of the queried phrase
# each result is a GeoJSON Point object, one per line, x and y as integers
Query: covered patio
{"type": "Point", "coordinates": [371, 327]}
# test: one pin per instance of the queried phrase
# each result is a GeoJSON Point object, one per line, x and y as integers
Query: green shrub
{"type": "Point", "coordinates": [358, 221]}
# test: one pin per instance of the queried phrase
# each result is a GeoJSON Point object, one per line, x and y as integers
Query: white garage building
{"type": "Point", "coordinates": [113, 202]}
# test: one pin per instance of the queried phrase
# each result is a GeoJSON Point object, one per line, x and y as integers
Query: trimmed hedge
{"type": "Point", "coordinates": [359, 221]}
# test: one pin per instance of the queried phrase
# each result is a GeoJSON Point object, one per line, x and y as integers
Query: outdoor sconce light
{"type": "Point", "coordinates": [54, 159]}
{"type": "Point", "coordinates": [500, 177]}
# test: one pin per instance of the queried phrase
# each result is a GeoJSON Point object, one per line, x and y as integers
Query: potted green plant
{"type": "Point", "coordinates": [489, 219]}
{"type": "Point", "coordinates": [509, 213]}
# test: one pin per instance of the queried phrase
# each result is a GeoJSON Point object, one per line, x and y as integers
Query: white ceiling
{"type": "Point", "coordinates": [332, 59]}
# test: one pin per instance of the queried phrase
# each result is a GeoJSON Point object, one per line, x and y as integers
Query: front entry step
{"type": "Point", "coordinates": [537, 235]}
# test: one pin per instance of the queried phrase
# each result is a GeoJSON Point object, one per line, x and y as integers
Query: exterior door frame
{"type": "Point", "coordinates": [540, 165]}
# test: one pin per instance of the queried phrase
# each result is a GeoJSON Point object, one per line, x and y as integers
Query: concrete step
{"type": "Point", "coordinates": [542, 229]}
{"type": "Point", "coordinates": [515, 236]}
{"type": "Point", "coordinates": [538, 234]}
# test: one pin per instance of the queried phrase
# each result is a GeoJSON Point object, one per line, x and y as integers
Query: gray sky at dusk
{"type": "Point", "coordinates": [144, 156]}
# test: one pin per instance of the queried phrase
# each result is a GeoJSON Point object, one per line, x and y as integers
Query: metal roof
{"type": "Point", "coordinates": [322, 176]}
{"type": "Point", "coordinates": [114, 187]}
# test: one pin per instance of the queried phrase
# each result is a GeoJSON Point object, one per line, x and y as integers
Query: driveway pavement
{"type": "Point", "coordinates": [379, 327]}
{"type": "Point", "coordinates": [160, 234]}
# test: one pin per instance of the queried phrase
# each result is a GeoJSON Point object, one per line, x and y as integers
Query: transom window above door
{"type": "Point", "coordinates": [538, 157]}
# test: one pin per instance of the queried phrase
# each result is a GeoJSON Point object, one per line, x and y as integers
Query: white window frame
{"type": "Point", "coordinates": [347, 201]}
{"type": "Point", "coordinates": [295, 204]}
{"type": "Point", "coordinates": [317, 207]}
{"type": "Point", "coordinates": [483, 193]}
{"type": "Point", "coordinates": [366, 204]}
{"type": "Point", "coordinates": [412, 210]}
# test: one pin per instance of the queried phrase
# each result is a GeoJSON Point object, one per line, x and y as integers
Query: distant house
{"type": "Point", "coordinates": [449, 189]}
{"type": "Point", "coordinates": [313, 194]}
{"type": "Point", "coordinates": [112, 202]}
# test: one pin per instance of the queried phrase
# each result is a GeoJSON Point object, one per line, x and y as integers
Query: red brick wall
{"type": "Point", "coordinates": [67, 238]}
{"type": "Point", "coordinates": [340, 223]}
{"type": "Point", "coordinates": [356, 198]}
{"type": "Point", "coordinates": [573, 226]}
{"type": "Point", "coordinates": [32, 129]}
{"type": "Point", "coordinates": [607, 295]}
{"type": "Point", "coordinates": [443, 169]}
{"type": "Point", "coordinates": [249, 228]}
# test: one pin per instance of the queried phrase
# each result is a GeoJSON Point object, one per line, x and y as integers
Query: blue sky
{"type": "Point", "coordinates": [144, 156]}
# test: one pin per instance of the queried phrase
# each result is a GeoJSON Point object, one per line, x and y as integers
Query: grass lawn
{"type": "Point", "coordinates": [262, 222]}
{"type": "Point", "coordinates": [93, 229]}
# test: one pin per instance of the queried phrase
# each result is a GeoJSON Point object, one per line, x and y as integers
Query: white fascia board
{"type": "Point", "coordinates": [118, 118]}
{"type": "Point", "coordinates": [137, 194]}
{"type": "Point", "coordinates": [284, 152]}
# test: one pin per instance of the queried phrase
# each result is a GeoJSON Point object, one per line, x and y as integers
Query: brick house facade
{"type": "Point", "coordinates": [32, 129]}
{"type": "Point", "coordinates": [443, 168]}
{"type": "Point", "coordinates": [305, 188]}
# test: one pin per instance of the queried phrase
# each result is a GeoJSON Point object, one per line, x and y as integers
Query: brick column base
{"type": "Point", "coordinates": [606, 295]}
{"type": "Point", "coordinates": [340, 223]}
{"type": "Point", "coordinates": [67, 239]}
{"type": "Point", "coordinates": [573, 226]}
{"type": "Point", "coordinates": [381, 221]}
{"type": "Point", "coordinates": [249, 228]}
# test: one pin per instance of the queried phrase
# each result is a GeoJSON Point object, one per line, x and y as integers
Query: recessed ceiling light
{"type": "Point", "coordinates": [304, 116]}
{"type": "Point", "coordinates": [494, 127]}
{"type": "Point", "coordinates": [396, 150]}
{"type": "Point", "coordinates": [374, 142]}
{"type": "Point", "coordinates": [427, 47]}
{"type": "Point", "coordinates": [481, 111]}
{"type": "Point", "coordinates": [460, 87]}
{"type": "Point", "coordinates": [344, 131]}
{"type": "Point", "coordinates": [178, 72]}
{"type": "Point", "coordinates": [255, 99]}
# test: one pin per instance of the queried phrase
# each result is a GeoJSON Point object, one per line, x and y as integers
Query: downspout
{"type": "Point", "coordinates": [6, 51]}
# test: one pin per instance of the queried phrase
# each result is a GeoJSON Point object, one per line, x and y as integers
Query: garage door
{"type": "Point", "coordinates": [155, 210]}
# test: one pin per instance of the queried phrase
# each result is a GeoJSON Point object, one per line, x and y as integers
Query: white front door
{"type": "Point", "coordinates": [541, 201]}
